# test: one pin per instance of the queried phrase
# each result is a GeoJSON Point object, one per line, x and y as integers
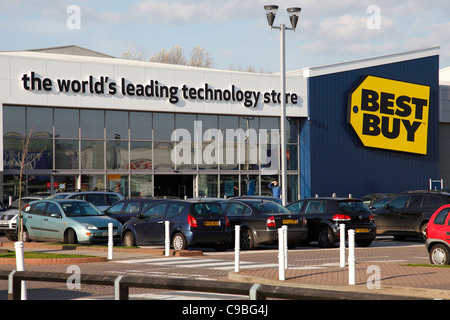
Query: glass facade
{"type": "Point", "coordinates": [148, 153]}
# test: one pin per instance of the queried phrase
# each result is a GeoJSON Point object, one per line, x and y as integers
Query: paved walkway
{"type": "Point", "coordinates": [395, 278]}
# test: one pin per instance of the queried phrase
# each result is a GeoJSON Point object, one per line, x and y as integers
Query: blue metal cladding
{"type": "Point", "coordinates": [333, 159]}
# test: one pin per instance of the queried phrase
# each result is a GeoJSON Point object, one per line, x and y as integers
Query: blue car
{"type": "Point", "coordinates": [69, 221]}
{"type": "Point", "coordinates": [193, 223]}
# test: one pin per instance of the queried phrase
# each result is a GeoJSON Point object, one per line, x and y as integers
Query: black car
{"type": "Point", "coordinates": [260, 221]}
{"type": "Point", "coordinates": [193, 223]}
{"type": "Point", "coordinates": [324, 215]}
{"type": "Point", "coordinates": [126, 209]}
{"type": "Point", "coordinates": [268, 198]}
{"type": "Point", "coordinates": [408, 213]}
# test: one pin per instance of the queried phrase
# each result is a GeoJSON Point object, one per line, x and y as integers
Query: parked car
{"type": "Point", "coordinates": [438, 236]}
{"type": "Point", "coordinates": [324, 215]}
{"type": "Point", "coordinates": [126, 209]}
{"type": "Point", "coordinates": [8, 219]}
{"type": "Point", "coordinates": [101, 199]}
{"type": "Point", "coordinates": [380, 203]}
{"type": "Point", "coordinates": [408, 213]}
{"type": "Point", "coordinates": [373, 197]}
{"type": "Point", "coordinates": [67, 220]}
{"type": "Point", "coordinates": [193, 223]}
{"type": "Point", "coordinates": [260, 221]}
{"type": "Point", "coordinates": [268, 198]}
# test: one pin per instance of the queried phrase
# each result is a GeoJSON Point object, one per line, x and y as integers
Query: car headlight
{"type": "Point", "coordinates": [89, 226]}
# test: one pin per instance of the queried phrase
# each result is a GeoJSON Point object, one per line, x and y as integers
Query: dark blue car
{"type": "Point", "coordinates": [194, 223]}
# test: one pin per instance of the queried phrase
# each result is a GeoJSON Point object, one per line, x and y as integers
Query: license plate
{"type": "Point", "coordinates": [362, 230]}
{"type": "Point", "coordinates": [290, 221]}
{"type": "Point", "coordinates": [4, 222]}
{"type": "Point", "coordinates": [105, 233]}
{"type": "Point", "coordinates": [211, 223]}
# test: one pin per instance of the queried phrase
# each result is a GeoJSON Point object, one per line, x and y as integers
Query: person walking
{"type": "Point", "coordinates": [276, 191]}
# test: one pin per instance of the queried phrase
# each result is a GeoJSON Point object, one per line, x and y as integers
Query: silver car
{"type": "Point", "coordinates": [101, 199]}
{"type": "Point", "coordinates": [69, 221]}
{"type": "Point", "coordinates": [8, 219]}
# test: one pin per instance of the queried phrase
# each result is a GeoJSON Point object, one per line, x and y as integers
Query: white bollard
{"type": "Point", "coordinates": [167, 238]}
{"type": "Point", "coordinates": [110, 241]}
{"type": "Point", "coordinates": [285, 231]}
{"type": "Point", "coordinates": [342, 245]}
{"type": "Point", "coordinates": [237, 247]}
{"type": "Point", "coordinates": [281, 261]}
{"type": "Point", "coordinates": [20, 266]}
{"type": "Point", "coordinates": [351, 257]}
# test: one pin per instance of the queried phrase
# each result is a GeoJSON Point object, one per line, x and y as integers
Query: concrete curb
{"type": "Point", "coordinates": [39, 261]}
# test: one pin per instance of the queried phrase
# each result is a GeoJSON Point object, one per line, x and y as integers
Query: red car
{"type": "Point", "coordinates": [438, 236]}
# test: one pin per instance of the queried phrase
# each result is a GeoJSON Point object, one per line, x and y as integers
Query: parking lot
{"type": "Point", "coordinates": [307, 266]}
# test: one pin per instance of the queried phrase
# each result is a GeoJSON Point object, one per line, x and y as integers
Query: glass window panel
{"type": "Point", "coordinates": [265, 181]}
{"type": "Point", "coordinates": [93, 182]}
{"type": "Point", "coordinates": [230, 156]}
{"type": "Point", "coordinates": [40, 122]}
{"type": "Point", "coordinates": [40, 154]}
{"type": "Point", "coordinates": [67, 154]}
{"type": "Point", "coordinates": [210, 155]}
{"type": "Point", "coordinates": [292, 156]}
{"type": "Point", "coordinates": [162, 156]}
{"type": "Point", "coordinates": [116, 125]}
{"type": "Point", "coordinates": [38, 184]}
{"type": "Point", "coordinates": [141, 155]}
{"type": "Point", "coordinates": [92, 154]}
{"type": "Point", "coordinates": [229, 186]}
{"type": "Point", "coordinates": [292, 189]}
{"type": "Point", "coordinates": [186, 121]}
{"type": "Point", "coordinates": [292, 130]}
{"type": "Point", "coordinates": [13, 121]}
{"type": "Point", "coordinates": [92, 124]}
{"type": "Point", "coordinates": [207, 185]}
{"type": "Point", "coordinates": [12, 151]}
{"type": "Point", "coordinates": [249, 185]}
{"type": "Point", "coordinates": [141, 186]}
{"type": "Point", "coordinates": [208, 122]}
{"type": "Point", "coordinates": [163, 126]}
{"type": "Point", "coordinates": [141, 125]}
{"type": "Point", "coordinates": [66, 123]}
{"type": "Point", "coordinates": [118, 183]}
{"type": "Point", "coordinates": [183, 153]}
{"type": "Point", "coordinates": [117, 155]}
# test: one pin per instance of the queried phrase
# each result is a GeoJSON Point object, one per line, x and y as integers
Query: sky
{"type": "Point", "coordinates": [234, 32]}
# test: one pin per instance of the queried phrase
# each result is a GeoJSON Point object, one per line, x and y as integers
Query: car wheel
{"type": "Point", "coordinates": [440, 254]}
{"type": "Point", "coordinates": [423, 231]}
{"type": "Point", "coordinates": [326, 238]}
{"type": "Point", "coordinates": [128, 239]}
{"type": "Point", "coordinates": [179, 242]}
{"type": "Point", "coordinates": [71, 237]}
{"type": "Point", "coordinates": [11, 237]}
{"type": "Point", "coordinates": [25, 235]}
{"type": "Point", "coordinates": [247, 242]}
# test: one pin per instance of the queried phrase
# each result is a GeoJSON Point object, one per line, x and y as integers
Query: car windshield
{"type": "Point", "coordinates": [352, 206]}
{"type": "Point", "coordinates": [269, 207]}
{"type": "Point", "coordinates": [208, 208]}
{"type": "Point", "coordinates": [79, 209]}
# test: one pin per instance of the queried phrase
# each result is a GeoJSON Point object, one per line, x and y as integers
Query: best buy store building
{"type": "Point", "coordinates": [358, 127]}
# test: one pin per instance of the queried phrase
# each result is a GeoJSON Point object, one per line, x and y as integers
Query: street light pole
{"type": "Point", "coordinates": [271, 11]}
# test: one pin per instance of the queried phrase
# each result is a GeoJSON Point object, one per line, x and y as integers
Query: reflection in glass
{"type": "Point", "coordinates": [141, 155]}
{"type": "Point", "coordinates": [162, 156]}
{"type": "Point", "coordinates": [13, 121]}
{"type": "Point", "coordinates": [92, 124]}
{"type": "Point", "coordinates": [117, 154]}
{"type": "Point", "coordinates": [39, 122]}
{"type": "Point", "coordinates": [140, 125]}
{"type": "Point", "coordinates": [116, 125]}
{"type": "Point", "coordinates": [92, 154]}
{"type": "Point", "coordinates": [163, 126]}
{"type": "Point", "coordinates": [66, 154]}
{"type": "Point", "coordinates": [66, 123]}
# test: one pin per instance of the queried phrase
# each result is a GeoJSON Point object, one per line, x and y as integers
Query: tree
{"type": "Point", "coordinates": [199, 57]}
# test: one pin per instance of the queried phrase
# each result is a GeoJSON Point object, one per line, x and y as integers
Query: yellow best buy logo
{"type": "Point", "coordinates": [390, 114]}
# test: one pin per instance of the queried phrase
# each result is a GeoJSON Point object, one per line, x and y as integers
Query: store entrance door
{"type": "Point", "coordinates": [178, 185]}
